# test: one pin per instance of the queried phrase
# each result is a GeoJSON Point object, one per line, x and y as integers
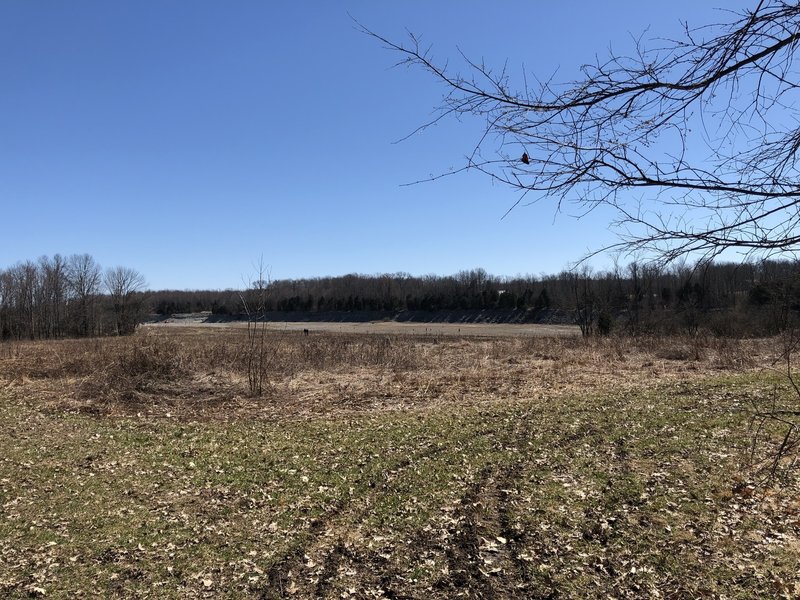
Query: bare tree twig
{"type": "Point", "coordinates": [638, 122]}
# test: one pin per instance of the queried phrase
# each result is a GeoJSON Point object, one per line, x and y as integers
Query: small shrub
{"type": "Point", "coordinates": [605, 323]}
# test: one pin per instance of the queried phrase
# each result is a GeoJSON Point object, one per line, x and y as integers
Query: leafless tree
{"type": "Point", "coordinates": [693, 141]}
{"type": "Point", "coordinates": [25, 278]}
{"type": "Point", "coordinates": [57, 297]}
{"type": "Point", "coordinates": [84, 277]}
{"type": "Point", "coordinates": [585, 297]}
{"type": "Point", "coordinates": [53, 290]}
{"type": "Point", "coordinates": [254, 302]}
{"type": "Point", "coordinates": [124, 286]}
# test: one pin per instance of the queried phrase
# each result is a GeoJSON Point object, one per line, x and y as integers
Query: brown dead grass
{"type": "Point", "coordinates": [388, 466]}
{"type": "Point", "coordinates": [202, 372]}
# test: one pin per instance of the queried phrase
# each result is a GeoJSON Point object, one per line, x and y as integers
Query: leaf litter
{"type": "Point", "coordinates": [571, 471]}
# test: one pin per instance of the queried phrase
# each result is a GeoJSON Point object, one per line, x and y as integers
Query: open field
{"type": "Point", "coordinates": [388, 327]}
{"type": "Point", "coordinates": [381, 466]}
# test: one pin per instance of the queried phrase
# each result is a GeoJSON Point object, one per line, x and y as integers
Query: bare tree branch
{"type": "Point", "coordinates": [706, 126]}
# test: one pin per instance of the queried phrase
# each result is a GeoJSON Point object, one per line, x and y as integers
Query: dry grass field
{"type": "Point", "coordinates": [392, 466]}
{"type": "Point", "coordinates": [385, 327]}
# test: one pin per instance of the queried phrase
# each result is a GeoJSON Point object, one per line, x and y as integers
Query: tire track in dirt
{"type": "Point", "coordinates": [330, 568]}
{"type": "Point", "coordinates": [483, 512]}
{"type": "Point", "coordinates": [389, 576]}
{"type": "Point", "coordinates": [463, 556]}
{"type": "Point", "coordinates": [524, 584]}
{"type": "Point", "coordinates": [506, 486]}
{"type": "Point", "coordinates": [486, 558]}
{"type": "Point", "coordinates": [278, 575]}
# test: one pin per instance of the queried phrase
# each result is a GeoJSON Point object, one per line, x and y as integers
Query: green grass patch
{"type": "Point", "coordinates": [622, 494]}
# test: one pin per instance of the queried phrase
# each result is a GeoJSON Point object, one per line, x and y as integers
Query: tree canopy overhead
{"type": "Point", "coordinates": [693, 141]}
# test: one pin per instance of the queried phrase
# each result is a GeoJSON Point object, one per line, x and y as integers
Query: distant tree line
{"type": "Point", "coordinates": [73, 296]}
{"type": "Point", "coordinates": [57, 297]}
{"type": "Point", "coordinates": [754, 298]}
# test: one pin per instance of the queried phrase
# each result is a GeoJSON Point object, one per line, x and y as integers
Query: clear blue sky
{"type": "Point", "coordinates": [188, 138]}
